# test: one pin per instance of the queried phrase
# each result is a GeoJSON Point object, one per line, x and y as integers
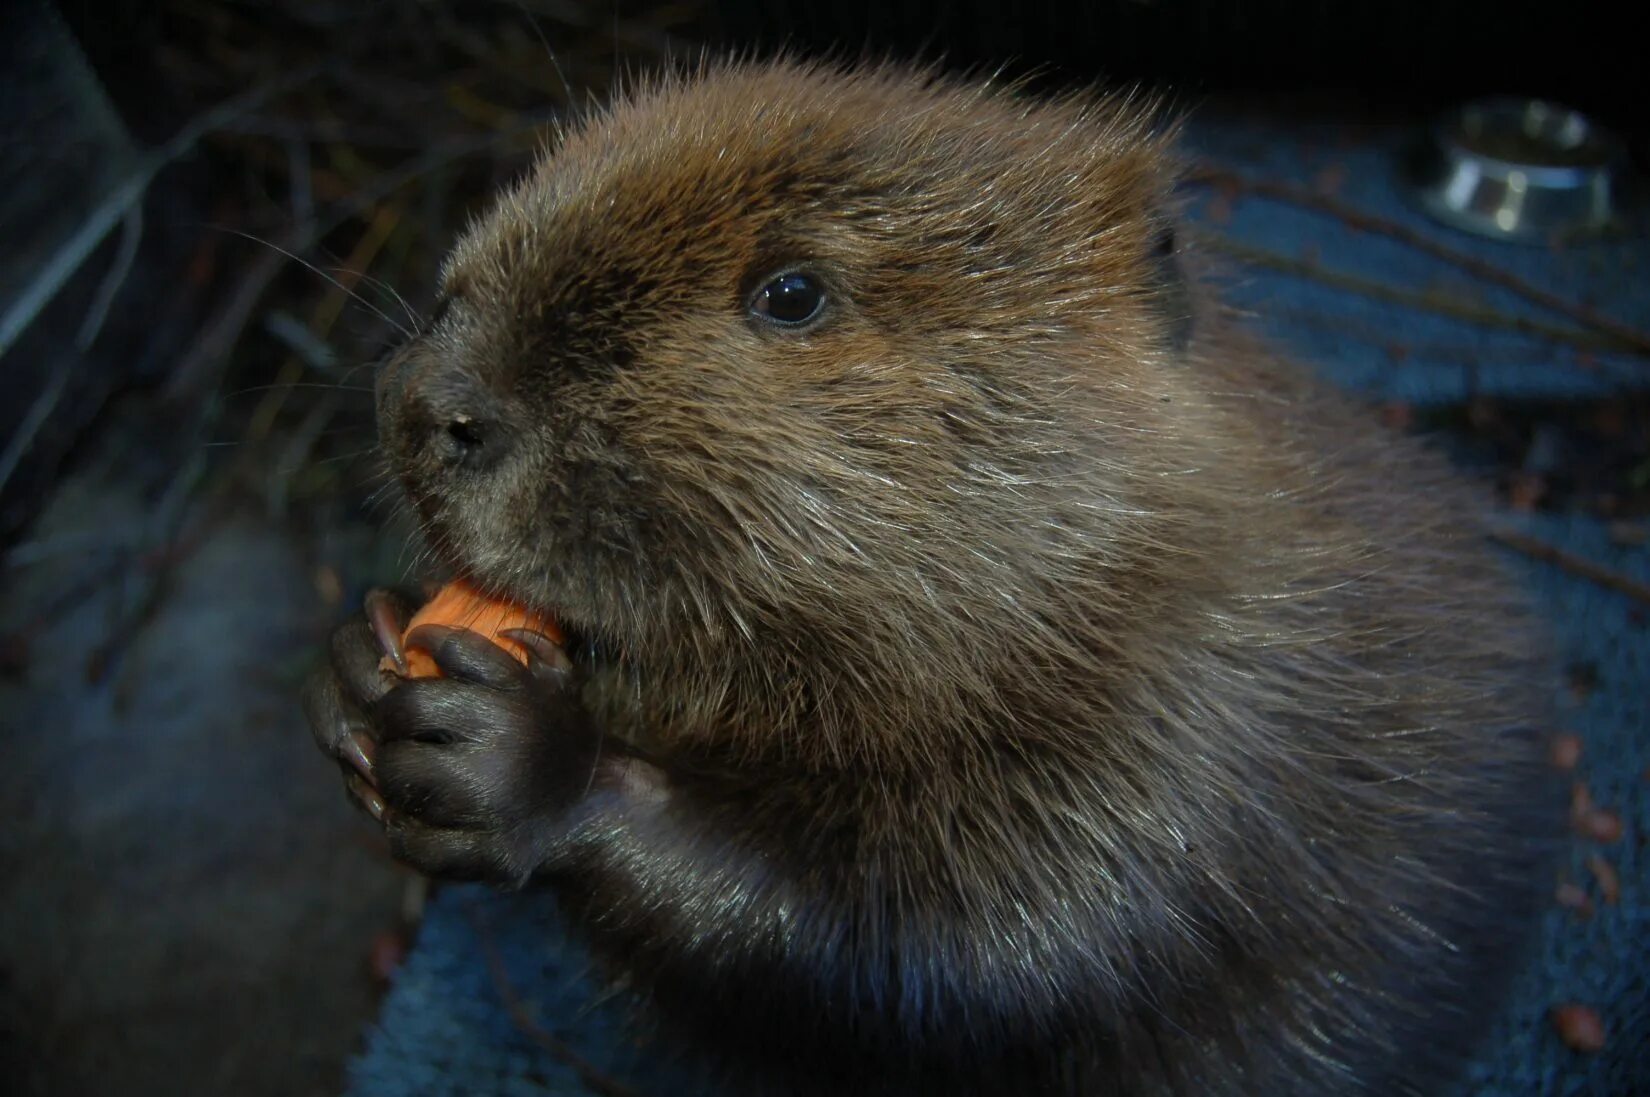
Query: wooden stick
{"type": "Point", "coordinates": [1296, 195]}
{"type": "Point", "coordinates": [122, 198]}
{"type": "Point", "coordinates": [1425, 300]}
{"type": "Point", "coordinates": [1572, 563]}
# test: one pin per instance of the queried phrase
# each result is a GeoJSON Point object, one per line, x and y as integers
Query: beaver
{"type": "Point", "coordinates": [987, 668]}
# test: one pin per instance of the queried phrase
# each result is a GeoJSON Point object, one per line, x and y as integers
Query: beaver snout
{"type": "Point", "coordinates": [468, 442]}
{"type": "Point", "coordinates": [437, 418]}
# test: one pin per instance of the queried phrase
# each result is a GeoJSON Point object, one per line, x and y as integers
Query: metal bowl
{"type": "Point", "coordinates": [1524, 170]}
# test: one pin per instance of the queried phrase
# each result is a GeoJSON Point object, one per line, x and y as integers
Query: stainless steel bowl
{"type": "Point", "coordinates": [1522, 169]}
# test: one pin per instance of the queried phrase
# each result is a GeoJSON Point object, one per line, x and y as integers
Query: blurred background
{"type": "Point", "coordinates": [218, 214]}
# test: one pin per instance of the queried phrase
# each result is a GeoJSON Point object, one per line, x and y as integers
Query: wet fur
{"type": "Point", "coordinates": [1005, 694]}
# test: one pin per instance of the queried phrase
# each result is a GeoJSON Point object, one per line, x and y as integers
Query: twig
{"type": "Point", "coordinates": [297, 451]}
{"type": "Point", "coordinates": [173, 545]}
{"type": "Point", "coordinates": [1572, 563]}
{"type": "Point", "coordinates": [1382, 335]}
{"type": "Point", "coordinates": [1351, 215]}
{"type": "Point", "coordinates": [130, 237]}
{"type": "Point", "coordinates": [303, 198]}
{"type": "Point", "coordinates": [91, 543]}
{"type": "Point", "coordinates": [590, 1076]}
{"type": "Point", "coordinates": [326, 130]}
{"type": "Point", "coordinates": [1428, 301]}
{"type": "Point", "coordinates": [439, 156]}
{"type": "Point", "coordinates": [301, 340]}
{"type": "Point", "coordinates": [354, 268]}
{"type": "Point", "coordinates": [67, 259]}
{"type": "Point", "coordinates": [213, 343]}
{"type": "Point", "coordinates": [476, 48]}
{"type": "Point", "coordinates": [38, 413]}
{"type": "Point", "coordinates": [200, 367]}
{"type": "Point", "coordinates": [325, 315]}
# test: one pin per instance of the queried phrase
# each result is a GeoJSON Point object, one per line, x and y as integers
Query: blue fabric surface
{"type": "Point", "coordinates": [1396, 351]}
{"type": "Point", "coordinates": [445, 1030]}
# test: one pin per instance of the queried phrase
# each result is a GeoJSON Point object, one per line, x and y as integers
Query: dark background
{"type": "Point", "coordinates": [1402, 55]}
{"type": "Point", "coordinates": [165, 61]}
{"type": "Point", "coordinates": [189, 907]}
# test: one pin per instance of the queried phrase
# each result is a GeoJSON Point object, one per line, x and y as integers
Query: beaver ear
{"type": "Point", "coordinates": [1171, 297]}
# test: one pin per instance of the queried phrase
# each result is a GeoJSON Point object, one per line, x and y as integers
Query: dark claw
{"type": "Point", "coordinates": [472, 773]}
{"type": "Point", "coordinates": [544, 655]}
{"type": "Point", "coordinates": [356, 749]}
{"type": "Point", "coordinates": [339, 727]}
{"type": "Point", "coordinates": [365, 795]}
{"type": "Point", "coordinates": [355, 659]}
{"type": "Point", "coordinates": [467, 656]}
{"type": "Point", "coordinates": [388, 614]}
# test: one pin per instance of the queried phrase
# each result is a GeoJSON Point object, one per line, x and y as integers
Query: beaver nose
{"type": "Point", "coordinates": [467, 442]}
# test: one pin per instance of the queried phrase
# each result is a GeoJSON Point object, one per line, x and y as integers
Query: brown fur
{"type": "Point", "coordinates": [1038, 703]}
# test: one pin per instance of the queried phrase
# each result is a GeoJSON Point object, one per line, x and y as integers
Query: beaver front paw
{"type": "Point", "coordinates": [472, 773]}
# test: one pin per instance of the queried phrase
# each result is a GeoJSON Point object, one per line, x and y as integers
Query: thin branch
{"type": "Point", "coordinates": [301, 340]}
{"type": "Point", "coordinates": [201, 366]}
{"type": "Point", "coordinates": [298, 172]}
{"type": "Point", "coordinates": [125, 195]}
{"type": "Point", "coordinates": [212, 345]}
{"type": "Point", "coordinates": [1568, 561]}
{"type": "Point", "coordinates": [173, 546]}
{"type": "Point", "coordinates": [38, 413]}
{"type": "Point", "coordinates": [1351, 215]}
{"type": "Point", "coordinates": [297, 450]}
{"type": "Point", "coordinates": [130, 237]}
{"type": "Point", "coordinates": [1426, 301]}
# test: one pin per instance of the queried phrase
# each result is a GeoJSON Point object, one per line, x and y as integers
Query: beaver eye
{"type": "Point", "coordinates": [791, 300]}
